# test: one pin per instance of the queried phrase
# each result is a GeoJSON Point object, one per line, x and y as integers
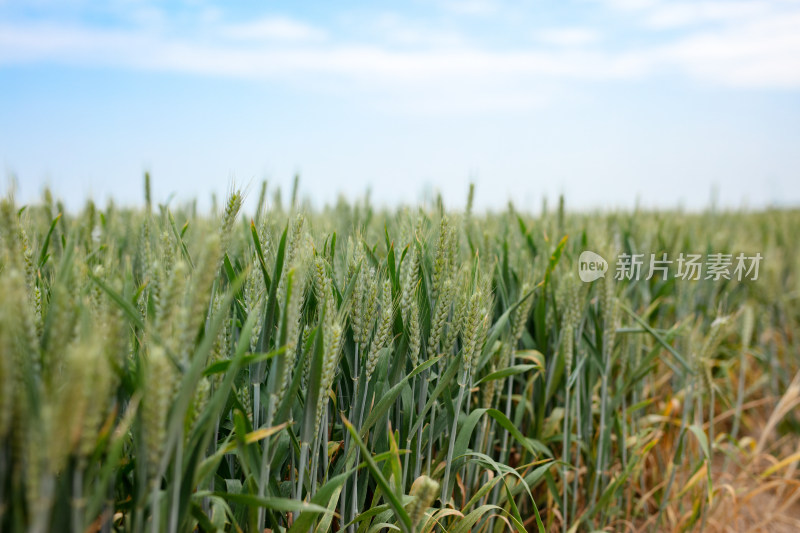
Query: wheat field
{"type": "Point", "coordinates": [419, 369]}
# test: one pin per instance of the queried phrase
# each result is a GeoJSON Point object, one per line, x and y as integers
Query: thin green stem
{"type": "Point", "coordinates": [176, 484]}
{"type": "Point", "coordinates": [77, 497]}
{"type": "Point", "coordinates": [420, 406]}
{"type": "Point", "coordinates": [266, 465]}
{"type": "Point", "coordinates": [453, 430]}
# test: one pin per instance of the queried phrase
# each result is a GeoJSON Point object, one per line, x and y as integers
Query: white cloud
{"type": "Point", "coordinates": [273, 29]}
{"type": "Point", "coordinates": [471, 7]}
{"type": "Point", "coordinates": [746, 44]}
{"type": "Point", "coordinates": [630, 5]}
{"type": "Point", "coordinates": [761, 50]}
{"type": "Point", "coordinates": [568, 36]}
{"type": "Point", "coordinates": [147, 16]}
{"type": "Point", "coordinates": [359, 62]}
{"type": "Point", "coordinates": [54, 42]}
{"type": "Point", "coordinates": [679, 14]}
{"type": "Point", "coordinates": [394, 29]}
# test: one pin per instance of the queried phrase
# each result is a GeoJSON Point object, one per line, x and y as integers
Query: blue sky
{"type": "Point", "coordinates": [611, 102]}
